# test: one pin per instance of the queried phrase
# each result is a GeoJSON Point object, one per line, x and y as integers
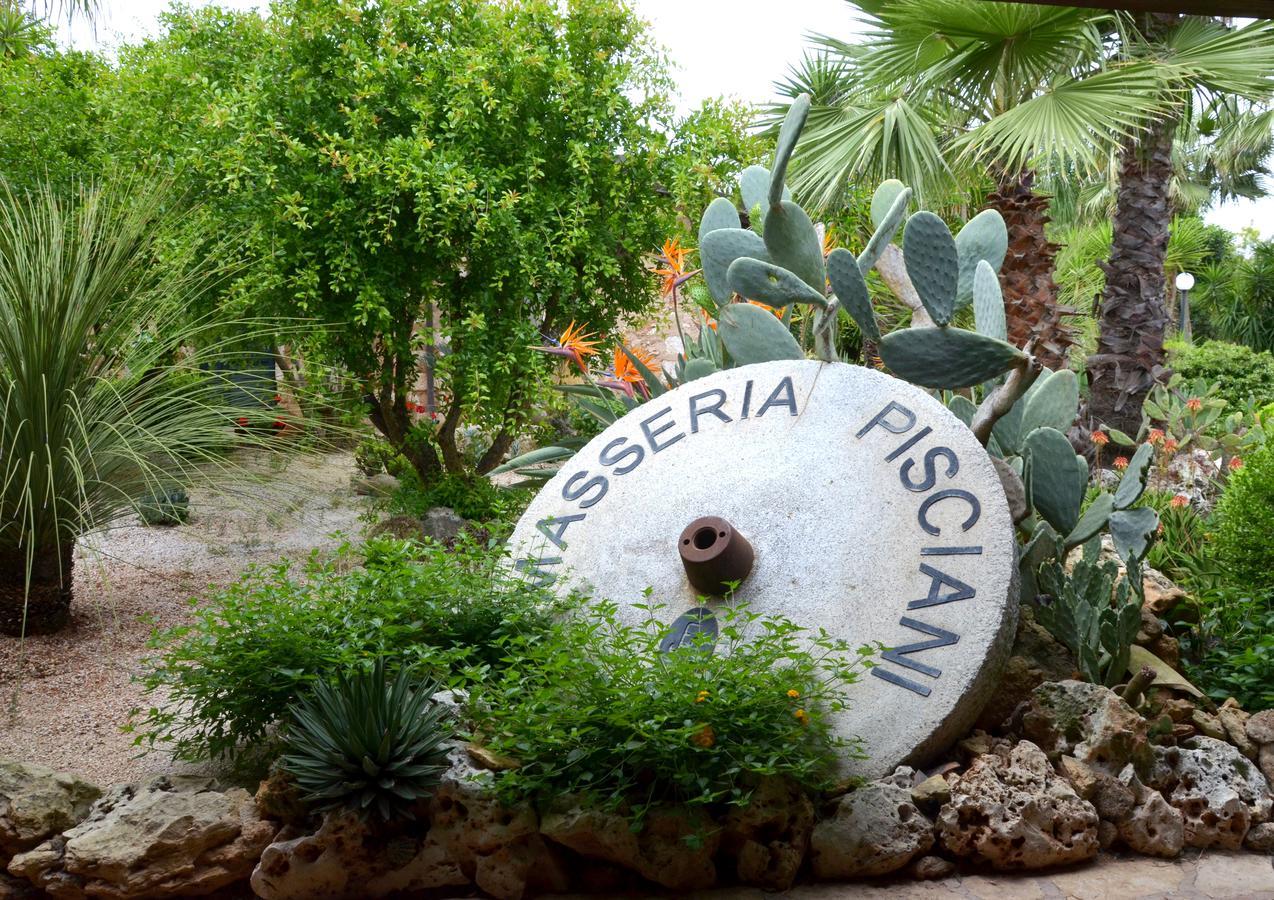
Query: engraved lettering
{"type": "Point", "coordinates": [783, 390]}
{"type": "Point", "coordinates": [714, 409]}
{"type": "Point", "coordinates": [555, 526]}
{"type": "Point", "coordinates": [652, 434]}
{"type": "Point", "coordinates": [960, 590]}
{"type": "Point", "coordinates": [882, 419]}
{"type": "Point", "coordinates": [931, 475]}
{"type": "Point", "coordinates": [609, 458]}
{"type": "Point", "coordinates": [956, 493]}
{"type": "Point", "coordinates": [597, 482]}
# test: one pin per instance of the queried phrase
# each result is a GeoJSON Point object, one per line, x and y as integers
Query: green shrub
{"type": "Point", "coordinates": [473, 497]}
{"type": "Point", "coordinates": [169, 506]}
{"type": "Point", "coordinates": [596, 706]}
{"type": "Point", "coordinates": [1245, 521]}
{"type": "Point", "coordinates": [1242, 372]}
{"type": "Point", "coordinates": [367, 744]}
{"type": "Point", "coordinates": [222, 682]}
{"type": "Point", "coordinates": [1231, 651]}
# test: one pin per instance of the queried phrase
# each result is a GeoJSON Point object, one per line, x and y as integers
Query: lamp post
{"type": "Point", "coordinates": [1185, 281]}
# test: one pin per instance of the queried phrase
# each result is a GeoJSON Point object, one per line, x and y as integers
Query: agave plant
{"type": "Point", "coordinates": [108, 389]}
{"type": "Point", "coordinates": [368, 744]}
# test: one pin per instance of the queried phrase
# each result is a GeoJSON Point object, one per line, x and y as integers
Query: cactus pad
{"type": "Point", "coordinates": [988, 302]}
{"type": "Point", "coordinates": [754, 188]}
{"type": "Point", "coordinates": [1131, 531]}
{"type": "Point", "coordinates": [793, 243]}
{"type": "Point", "coordinates": [1052, 402]}
{"type": "Point", "coordinates": [946, 357]}
{"type": "Point", "coordinates": [753, 335]}
{"type": "Point", "coordinates": [932, 263]}
{"type": "Point", "coordinates": [1133, 482]}
{"type": "Point", "coordinates": [984, 237]}
{"type": "Point", "coordinates": [790, 130]}
{"type": "Point", "coordinates": [719, 249]}
{"type": "Point", "coordinates": [1055, 487]}
{"type": "Point", "coordinates": [757, 279]}
{"type": "Point", "coordinates": [885, 231]}
{"type": "Point", "coordinates": [851, 289]}
{"type": "Point", "coordinates": [719, 214]}
{"type": "Point", "coordinates": [883, 200]}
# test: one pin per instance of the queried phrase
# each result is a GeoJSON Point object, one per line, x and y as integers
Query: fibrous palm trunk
{"type": "Point", "coordinates": [45, 605]}
{"type": "Point", "coordinates": [1030, 294]}
{"type": "Point", "coordinates": [1132, 318]}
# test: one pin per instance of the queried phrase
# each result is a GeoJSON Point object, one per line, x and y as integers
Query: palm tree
{"type": "Point", "coordinates": [1196, 61]}
{"type": "Point", "coordinates": [943, 91]}
{"type": "Point", "coordinates": [104, 393]}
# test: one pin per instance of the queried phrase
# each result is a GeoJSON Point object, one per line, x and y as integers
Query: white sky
{"type": "Point", "coordinates": [719, 47]}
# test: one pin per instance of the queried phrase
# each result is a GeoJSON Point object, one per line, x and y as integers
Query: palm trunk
{"type": "Point", "coordinates": [1030, 294]}
{"type": "Point", "coordinates": [45, 606]}
{"type": "Point", "coordinates": [1132, 319]}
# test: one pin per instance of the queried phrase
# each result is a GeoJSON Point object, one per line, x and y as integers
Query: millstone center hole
{"type": "Point", "coordinates": [706, 537]}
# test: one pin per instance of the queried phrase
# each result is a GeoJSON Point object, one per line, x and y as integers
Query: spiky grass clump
{"type": "Point", "coordinates": [109, 383]}
{"type": "Point", "coordinates": [368, 744]}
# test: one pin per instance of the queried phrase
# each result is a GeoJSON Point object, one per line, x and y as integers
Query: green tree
{"type": "Point", "coordinates": [430, 174]}
{"type": "Point", "coordinates": [943, 90]}
{"type": "Point", "coordinates": [49, 126]}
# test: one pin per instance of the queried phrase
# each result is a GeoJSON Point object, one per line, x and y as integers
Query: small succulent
{"type": "Point", "coordinates": [367, 743]}
{"type": "Point", "coordinates": [165, 506]}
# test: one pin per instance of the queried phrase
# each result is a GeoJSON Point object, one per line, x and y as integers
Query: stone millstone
{"type": "Point", "coordinates": [873, 513]}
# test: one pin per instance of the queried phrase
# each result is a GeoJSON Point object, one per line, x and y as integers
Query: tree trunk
{"type": "Point", "coordinates": [1132, 317]}
{"type": "Point", "coordinates": [46, 606]}
{"type": "Point", "coordinates": [1030, 294]}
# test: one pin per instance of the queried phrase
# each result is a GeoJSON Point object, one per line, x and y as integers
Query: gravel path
{"type": "Point", "coordinates": [65, 697]}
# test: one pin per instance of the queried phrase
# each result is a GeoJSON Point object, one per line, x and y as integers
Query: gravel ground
{"type": "Point", "coordinates": [65, 697]}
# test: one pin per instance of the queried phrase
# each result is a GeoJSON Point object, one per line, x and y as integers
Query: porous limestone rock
{"type": "Point", "coordinates": [932, 792]}
{"type": "Point", "coordinates": [1161, 595]}
{"type": "Point", "coordinates": [497, 847]}
{"type": "Point", "coordinates": [1112, 799]}
{"type": "Point", "coordinates": [347, 860]}
{"type": "Point", "coordinates": [37, 803]}
{"type": "Point", "coordinates": [1265, 759]}
{"type": "Point", "coordinates": [164, 838]}
{"type": "Point", "coordinates": [1260, 727]}
{"type": "Point", "coordinates": [442, 524]}
{"type": "Point", "coordinates": [674, 848]}
{"type": "Point", "coordinates": [1219, 792]}
{"type": "Point", "coordinates": [1153, 827]}
{"type": "Point", "coordinates": [931, 868]}
{"type": "Point", "coordinates": [769, 837]}
{"type": "Point", "coordinates": [1260, 838]}
{"type": "Point", "coordinates": [1089, 722]}
{"type": "Point", "coordinates": [876, 829]}
{"type": "Point", "coordinates": [1234, 720]}
{"type": "Point", "coordinates": [1037, 657]}
{"type": "Point", "coordinates": [1015, 812]}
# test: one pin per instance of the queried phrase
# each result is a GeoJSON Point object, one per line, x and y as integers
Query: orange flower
{"type": "Point", "coordinates": [1194, 404]}
{"type": "Point", "coordinates": [705, 737]}
{"type": "Point", "coordinates": [1235, 464]}
{"type": "Point", "coordinates": [672, 264]}
{"type": "Point", "coordinates": [577, 343]}
{"type": "Point", "coordinates": [708, 320]}
{"type": "Point", "coordinates": [1121, 462]}
{"type": "Point", "coordinates": [794, 693]}
{"type": "Point", "coordinates": [1170, 445]}
{"type": "Point", "coordinates": [1179, 501]}
{"type": "Point", "coordinates": [1100, 438]}
{"type": "Point", "coordinates": [777, 310]}
{"type": "Point", "coordinates": [703, 695]}
{"type": "Point", "coordinates": [625, 370]}
{"type": "Point", "coordinates": [829, 241]}
{"type": "Point", "coordinates": [802, 716]}
{"type": "Point", "coordinates": [1155, 436]}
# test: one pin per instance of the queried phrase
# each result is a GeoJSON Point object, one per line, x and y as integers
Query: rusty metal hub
{"type": "Point", "coordinates": [714, 555]}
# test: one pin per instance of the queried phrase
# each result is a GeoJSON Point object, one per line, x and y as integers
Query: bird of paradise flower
{"type": "Point", "coordinates": [574, 343]}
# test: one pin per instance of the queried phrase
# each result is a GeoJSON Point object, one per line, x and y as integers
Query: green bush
{"type": "Point", "coordinates": [1245, 521]}
{"type": "Point", "coordinates": [368, 744]}
{"type": "Point", "coordinates": [1242, 372]}
{"type": "Point", "coordinates": [595, 705]}
{"type": "Point", "coordinates": [222, 682]}
{"type": "Point", "coordinates": [1231, 651]}
{"type": "Point", "coordinates": [473, 497]}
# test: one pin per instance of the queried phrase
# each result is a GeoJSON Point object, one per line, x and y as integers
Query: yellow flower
{"type": "Point", "coordinates": [794, 693]}
{"type": "Point", "coordinates": [802, 716]}
{"type": "Point", "coordinates": [703, 695]}
{"type": "Point", "coordinates": [705, 737]}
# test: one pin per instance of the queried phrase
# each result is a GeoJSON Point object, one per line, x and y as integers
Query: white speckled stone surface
{"type": "Point", "coordinates": [835, 530]}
